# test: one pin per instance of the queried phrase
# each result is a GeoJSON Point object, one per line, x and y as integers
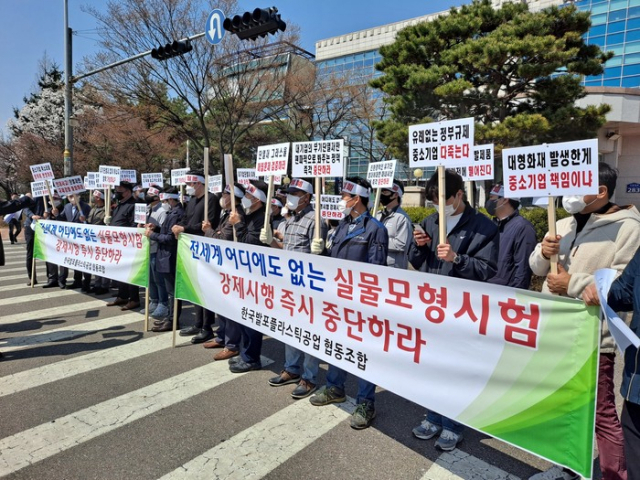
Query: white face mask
{"type": "Point", "coordinates": [284, 212]}
{"type": "Point", "coordinates": [342, 207]}
{"type": "Point", "coordinates": [574, 203]}
{"type": "Point", "coordinates": [222, 203]}
{"type": "Point", "coordinates": [191, 191]}
{"type": "Point", "coordinates": [450, 210]}
{"type": "Point", "coordinates": [166, 206]}
{"type": "Point", "coordinates": [292, 201]}
{"type": "Point", "coordinates": [246, 203]}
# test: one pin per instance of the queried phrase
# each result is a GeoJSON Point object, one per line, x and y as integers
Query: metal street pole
{"type": "Point", "coordinates": [68, 99]}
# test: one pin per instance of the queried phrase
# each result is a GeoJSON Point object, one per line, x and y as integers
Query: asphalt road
{"type": "Point", "coordinates": [85, 393]}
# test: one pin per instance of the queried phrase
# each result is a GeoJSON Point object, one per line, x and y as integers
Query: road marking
{"type": "Point", "coordinates": [256, 451]}
{"type": "Point", "coordinates": [70, 367]}
{"type": "Point", "coordinates": [17, 269]}
{"type": "Point", "coordinates": [37, 296]}
{"type": "Point", "coordinates": [22, 277]}
{"type": "Point", "coordinates": [52, 312]}
{"type": "Point", "coordinates": [459, 465]}
{"type": "Point", "coordinates": [38, 443]}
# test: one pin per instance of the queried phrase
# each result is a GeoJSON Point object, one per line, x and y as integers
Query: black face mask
{"type": "Point", "coordinates": [491, 206]}
{"type": "Point", "coordinates": [148, 199]}
{"type": "Point", "coordinates": [119, 195]}
{"type": "Point", "coordinates": [386, 199]}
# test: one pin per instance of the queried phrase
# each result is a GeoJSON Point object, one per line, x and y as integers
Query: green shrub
{"type": "Point", "coordinates": [417, 214]}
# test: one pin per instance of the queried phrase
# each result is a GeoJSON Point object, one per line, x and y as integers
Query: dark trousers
{"type": "Point", "coordinates": [14, 226]}
{"type": "Point", "coordinates": [631, 429]}
{"type": "Point", "coordinates": [229, 333]}
{"type": "Point", "coordinates": [204, 318]}
{"type": "Point", "coordinates": [78, 277]}
{"type": "Point", "coordinates": [30, 237]}
{"type": "Point", "coordinates": [250, 344]}
{"type": "Point", "coordinates": [608, 429]}
{"type": "Point", "coordinates": [52, 272]}
{"type": "Point", "coordinates": [169, 280]}
{"type": "Point", "coordinates": [129, 292]}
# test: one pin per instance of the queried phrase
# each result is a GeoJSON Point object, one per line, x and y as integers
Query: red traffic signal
{"type": "Point", "coordinates": [259, 23]}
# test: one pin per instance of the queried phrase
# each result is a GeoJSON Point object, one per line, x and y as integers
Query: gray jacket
{"type": "Point", "coordinates": [400, 230]}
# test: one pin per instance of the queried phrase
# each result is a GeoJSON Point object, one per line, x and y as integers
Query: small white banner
{"type": "Point", "coordinates": [109, 176]}
{"type": "Point", "coordinates": [178, 176]}
{"type": "Point", "coordinates": [324, 158]}
{"type": "Point", "coordinates": [272, 159]}
{"type": "Point", "coordinates": [140, 213]}
{"type": "Point", "coordinates": [380, 174]}
{"type": "Point", "coordinates": [69, 185]}
{"type": "Point", "coordinates": [243, 175]}
{"type": "Point", "coordinates": [215, 183]}
{"type": "Point", "coordinates": [150, 179]}
{"type": "Point", "coordinates": [39, 189]}
{"type": "Point", "coordinates": [130, 176]}
{"type": "Point", "coordinates": [448, 143]}
{"type": "Point", "coordinates": [42, 171]}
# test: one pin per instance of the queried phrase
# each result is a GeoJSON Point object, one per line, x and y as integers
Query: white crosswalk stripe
{"type": "Point", "coordinates": [38, 296]}
{"type": "Point", "coordinates": [458, 465]}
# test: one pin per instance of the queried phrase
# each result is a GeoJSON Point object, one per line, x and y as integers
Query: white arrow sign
{"type": "Point", "coordinates": [214, 31]}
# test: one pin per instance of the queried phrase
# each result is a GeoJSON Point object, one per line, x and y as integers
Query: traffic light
{"type": "Point", "coordinates": [259, 23]}
{"type": "Point", "coordinates": [172, 49]}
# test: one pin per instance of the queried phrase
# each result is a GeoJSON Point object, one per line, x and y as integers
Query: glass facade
{"type": "Point", "coordinates": [616, 28]}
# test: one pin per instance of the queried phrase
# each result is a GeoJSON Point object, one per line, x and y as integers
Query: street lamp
{"type": "Point", "coordinates": [418, 173]}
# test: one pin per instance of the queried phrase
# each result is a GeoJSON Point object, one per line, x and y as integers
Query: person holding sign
{"type": "Point", "coordinates": [299, 236]}
{"type": "Point", "coordinates": [156, 215]}
{"type": "Point", "coordinates": [599, 234]}
{"type": "Point", "coordinates": [470, 251]}
{"type": "Point", "coordinates": [360, 238]}
{"type": "Point", "coordinates": [397, 223]}
{"type": "Point", "coordinates": [32, 213]}
{"type": "Point", "coordinates": [52, 269]}
{"type": "Point", "coordinates": [96, 217]}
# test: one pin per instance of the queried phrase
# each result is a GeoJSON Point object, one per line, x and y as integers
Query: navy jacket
{"type": "Point", "coordinates": [194, 215]}
{"type": "Point", "coordinates": [364, 239]}
{"type": "Point", "coordinates": [67, 214]}
{"type": "Point", "coordinates": [167, 242]}
{"type": "Point", "coordinates": [624, 296]}
{"type": "Point", "coordinates": [517, 241]}
{"type": "Point", "coordinates": [475, 238]}
{"type": "Point", "coordinates": [248, 228]}
{"type": "Point", "coordinates": [124, 214]}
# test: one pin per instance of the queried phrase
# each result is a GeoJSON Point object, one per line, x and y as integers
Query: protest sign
{"type": "Point", "coordinates": [482, 167]}
{"type": "Point", "coordinates": [329, 207]}
{"type": "Point", "coordinates": [246, 174]}
{"type": "Point", "coordinates": [277, 179]}
{"type": "Point", "coordinates": [69, 185]}
{"type": "Point", "coordinates": [140, 213]}
{"type": "Point", "coordinates": [518, 365]}
{"type": "Point", "coordinates": [272, 159]}
{"type": "Point", "coordinates": [178, 176]}
{"type": "Point", "coordinates": [324, 158]}
{"type": "Point", "coordinates": [380, 174]}
{"type": "Point", "coordinates": [150, 179]}
{"type": "Point", "coordinates": [39, 189]}
{"type": "Point", "coordinates": [118, 253]}
{"type": "Point", "coordinates": [42, 171]}
{"type": "Point", "coordinates": [93, 181]}
{"type": "Point", "coordinates": [109, 175]}
{"type": "Point", "coordinates": [130, 176]}
{"type": "Point", "coordinates": [552, 169]}
{"type": "Point", "coordinates": [448, 143]}
{"type": "Point", "coordinates": [215, 183]}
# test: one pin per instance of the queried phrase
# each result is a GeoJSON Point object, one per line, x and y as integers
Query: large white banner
{"type": "Point", "coordinates": [448, 143]}
{"type": "Point", "coordinates": [324, 158]}
{"type": "Point", "coordinates": [272, 159]}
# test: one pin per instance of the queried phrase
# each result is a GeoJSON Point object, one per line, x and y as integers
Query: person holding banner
{"type": "Point", "coordinates": [397, 223]}
{"type": "Point", "coordinates": [599, 234]}
{"type": "Point", "coordinates": [52, 269]}
{"type": "Point", "coordinates": [166, 256]}
{"type": "Point", "coordinates": [517, 240]}
{"type": "Point", "coordinates": [156, 215]}
{"type": "Point", "coordinates": [192, 223]}
{"type": "Point", "coordinates": [123, 215]}
{"type": "Point", "coordinates": [96, 217]}
{"type": "Point", "coordinates": [228, 335]}
{"type": "Point", "coordinates": [247, 230]}
{"type": "Point", "coordinates": [299, 236]}
{"type": "Point", "coordinates": [31, 213]}
{"type": "Point", "coordinates": [359, 238]}
{"type": "Point", "coordinates": [470, 251]}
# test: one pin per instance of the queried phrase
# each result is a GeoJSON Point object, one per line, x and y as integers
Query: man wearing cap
{"type": "Point", "coordinates": [517, 240]}
{"type": "Point", "coordinates": [96, 217]}
{"type": "Point", "coordinates": [191, 223]}
{"type": "Point", "coordinates": [276, 214]}
{"type": "Point", "coordinates": [247, 230]}
{"type": "Point", "coordinates": [156, 215]}
{"type": "Point", "coordinates": [76, 211]}
{"type": "Point", "coordinates": [228, 335]}
{"type": "Point", "coordinates": [361, 238]}
{"type": "Point", "coordinates": [299, 236]}
{"type": "Point", "coordinates": [469, 251]}
{"type": "Point", "coordinates": [397, 223]}
{"type": "Point", "coordinates": [123, 215]}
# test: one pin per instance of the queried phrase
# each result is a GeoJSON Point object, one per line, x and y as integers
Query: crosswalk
{"type": "Point", "coordinates": [108, 400]}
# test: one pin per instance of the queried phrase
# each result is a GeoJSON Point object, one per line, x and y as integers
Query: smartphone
{"type": "Point", "coordinates": [418, 228]}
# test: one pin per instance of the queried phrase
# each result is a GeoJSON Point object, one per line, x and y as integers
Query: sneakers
{"type": "Point", "coordinates": [325, 396]}
{"type": "Point", "coordinates": [285, 378]}
{"type": "Point", "coordinates": [448, 440]}
{"type": "Point", "coordinates": [363, 416]}
{"type": "Point", "coordinates": [426, 430]}
{"type": "Point", "coordinates": [160, 311]}
{"type": "Point", "coordinates": [555, 473]}
{"type": "Point", "coordinates": [304, 389]}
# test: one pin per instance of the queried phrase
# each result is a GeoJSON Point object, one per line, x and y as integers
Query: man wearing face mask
{"type": "Point", "coordinates": [299, 236]}
{"type": "Point", "coordinates": [361, 238]}
{"type": "Point", "coordinates": [599, 234]}
{"type": "Point", "coordinates": [52, 268]}
{"type": "Point", "coordinates": [517, 240]}
{"type": "Point", "coordinates": [470, 252]}
{"type": "Point", "coordinates": [76, 211]}
{"type": "Point", "coordinates": [191, 223]}
{"type": "Point", "coordinates": [397, 223]}
{"type": "Point", "coordinates": [96, 217]}
{"type": "Point", "coordinates": [156, 215]}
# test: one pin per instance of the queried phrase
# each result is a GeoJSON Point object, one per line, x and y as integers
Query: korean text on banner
{"type": "Point", "coordinates": [448, 143]}
{"type": "Point", "coordinates": [42, 171]}
{"type": "Point", "coordinates": [119, 253]}
{"type": "Point", "coordinates": [93, 181]}
{"type": "Point", "coordinates": [130, 176]}
{"type": "Point", "coordinates": [178, 176]}
{"type": "Point", "coordinates": [109, 176]}
{"type": "Point", "coordinates": [380, 174]}
{"type": "Point", "coordinates": [323, 158]}
{"type": "Point", "coordinates": [329, 207]}
{"type": "Point", "coordinates": [243, 175]}
{"type": "Point", "coordinates": [277, 179]}
{"type": "Point", "coordinates": [482, 167]}
{"type": "Point", "coordinates": [518, 365]}
{"type": "Point", "coordinates": [151, 179]}
{"type": "Point", "coordinates": [272, 159]}
{"type": "Point", "coordinates": [140, 213]}
{"type": "Point", "coordinates": [551, 170]}
{"type": "Point", "coordinates": [215, 183]}
{"type": "Point", "coordinates": [39, 189]}
{"type": "Point", "coordinates": [69, 185]}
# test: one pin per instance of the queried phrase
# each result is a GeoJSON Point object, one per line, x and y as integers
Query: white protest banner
{"type": "Point", "coordinates": [324, 158]}
{"type": "Point", "coordinates": [215, 183]}
{"type": "Point", "coordinates": [243, 175]}
{"type": "Point", "coordinates": [272, 159]}
{"type": "Point", "coordinates": [130, 176]}
{"type": "Point", "coordinates": [109, 175]}
{"type": "Point", "coordinates": [482, 167]}
{"type": "Point", "coordinates": [69, 185]}
{"type": "Point", "coordinates": [380, 174]}
{"type": "Point", "coordinates": [178, 176]}
{"type": "Point", "coordinates": [518, 365]}
{"type": "Point", "coordinates": [329, 207]}
{"type": "Point", "coordinates": [277, 179]}
{"type": "Point", "coordinates": [39, 189]}
{"type": "Point", "coordinates": [140, 213]}
{"type": "Point", "coordinates": [42, 171]}
{"type": "Point", "coordinates": [551, 170]}
{"type": "Point", "coordinates": [448, 143]}
{"type": "Point", "coordinates": [118, 253]}
{"type": "Point", "coordinates": [93, 181]}
{"type": "Point", "coordinates": [150, 179]}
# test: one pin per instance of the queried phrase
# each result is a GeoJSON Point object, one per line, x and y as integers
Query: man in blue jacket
{"type": "Point", "coordinates": [470, 251]}
{"type": "Point", "coordinates": [361, 238]}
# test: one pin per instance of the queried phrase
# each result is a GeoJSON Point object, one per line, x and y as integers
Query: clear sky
{"type": "Point", "coordinates": [31, 28]}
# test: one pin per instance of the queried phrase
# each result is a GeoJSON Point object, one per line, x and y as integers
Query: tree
{"type": "Point", "coordinates": [516, 72]}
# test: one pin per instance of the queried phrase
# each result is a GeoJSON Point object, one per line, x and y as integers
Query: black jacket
{"type": "Point", "coordinates": [124, 214]}
{"type": "Point", "coordinates": [167, 242]}
{"type": "Point", "coordinates": [194, 215]}
{"type": "Point", "coordinates": [248, 229]}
